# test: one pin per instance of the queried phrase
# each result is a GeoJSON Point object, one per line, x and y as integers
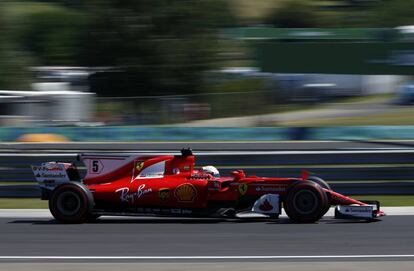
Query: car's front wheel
{"type": "Point", "coordinates": [305, 202]}
{"type": "Point", "coordinates": [71, 203]}
{"type": "Point", "coordinates": [322, 183]}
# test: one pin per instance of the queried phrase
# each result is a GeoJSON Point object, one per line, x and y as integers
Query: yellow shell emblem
{"type": "Point", "coordinates": [185, 193]}
{"type": "Point", "coordinates": [243, 188]}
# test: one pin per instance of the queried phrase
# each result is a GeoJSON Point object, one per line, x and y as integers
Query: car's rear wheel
{"type": "Point", "coordinates": [305, 202]}
{"type": "Point", "coordinates": [70, 203]}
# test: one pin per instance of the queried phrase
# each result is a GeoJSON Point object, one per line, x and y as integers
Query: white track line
{"type": "Point", "coordinates": [275, 257]}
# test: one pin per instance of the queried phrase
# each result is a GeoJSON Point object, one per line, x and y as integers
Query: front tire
{"type": "Point", "coordinates": [305, 202]}
{"type": "Point", "coordinates": [71, 203]}
{"type": "Point", "coordinates": [322, 183]}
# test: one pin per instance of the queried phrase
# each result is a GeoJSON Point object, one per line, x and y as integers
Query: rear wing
{"type": "Point", "coordinates": [51, 174]}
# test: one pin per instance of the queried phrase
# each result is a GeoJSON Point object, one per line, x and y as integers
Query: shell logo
{"type": "Point", "coordinates": [185, 193]}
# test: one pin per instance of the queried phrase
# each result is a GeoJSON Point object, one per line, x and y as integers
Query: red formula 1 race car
{"type": "Point", "coordinates": [171, 186]}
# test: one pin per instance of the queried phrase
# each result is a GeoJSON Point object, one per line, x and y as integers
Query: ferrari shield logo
{"type": "Point", "coordinates": [139, 165]}
{"type": "Point", "coordinates": [243, 188]}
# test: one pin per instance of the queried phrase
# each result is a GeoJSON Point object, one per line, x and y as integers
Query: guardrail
{"type": "Point", "coordinates": [348, 171]}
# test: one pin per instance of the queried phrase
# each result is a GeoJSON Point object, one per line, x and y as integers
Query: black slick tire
{"type": "Point", "coordinates": [71, 203]}
{"type": "Point", "coordinates": [305, 202]}
{"type": "Point", "coordinates": [322, 183]}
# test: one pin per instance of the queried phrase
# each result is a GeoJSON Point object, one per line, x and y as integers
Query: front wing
{"type": "Point", "coordinates": [347, 207]}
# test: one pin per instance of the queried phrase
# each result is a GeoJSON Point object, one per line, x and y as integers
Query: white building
{"type": "Point", "coordinates": [48, 104]}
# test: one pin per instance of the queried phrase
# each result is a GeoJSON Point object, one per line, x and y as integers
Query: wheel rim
{"type": "Point", "coordinates": [68, 203]}
{"type": "Point", "coordinates": [305, 202]}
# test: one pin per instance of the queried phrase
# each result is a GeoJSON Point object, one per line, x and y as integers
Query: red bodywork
{"type": "Point", "coordinates": [179, 185]}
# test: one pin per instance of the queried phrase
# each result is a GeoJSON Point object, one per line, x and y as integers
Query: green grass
{"type": "Point", "coordinates": [27, 203]}
{"type": "Point", "coordinates": [3, 183]}
{"type": "Point", "coordinates": [402, 116]}
{"type": "Point", "coordinates": [34, 203]}
{"type": "Point", "coordinates": [249, 10]}
{"type": "Point", "coordinates": [15, 11]}
{"type": "Point", "coordinates": [389, 200]}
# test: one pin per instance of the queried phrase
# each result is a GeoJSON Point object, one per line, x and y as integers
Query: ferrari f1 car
{"type": "Point", "coordinates": [170, 185]}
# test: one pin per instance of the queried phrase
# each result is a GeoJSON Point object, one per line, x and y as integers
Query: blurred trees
{"type": "Point", "coordinates": [2, 50]}
{"type": "Point", "coordinates": [154, 46]}
{"type": "Point", "coordinates": [163, 45]}
{"type": "Point", "coordinates": [342, 13]}
{"type": "Point", "coordinates": [294, 14]}
{"type": "Point", "coordinates": [393, 13]}
{"type": "Point", "coordinates": [54, 35]}
{"type": "Point", "coordinates": [13, 62]}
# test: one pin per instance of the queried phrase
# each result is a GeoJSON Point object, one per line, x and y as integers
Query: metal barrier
{"type": "Point", "coordinates": [348, 171]}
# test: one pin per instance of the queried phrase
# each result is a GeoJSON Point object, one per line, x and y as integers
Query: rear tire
{"type": "Point", "coordinates": [305, 202]}
{"type": "Point", "coordinates": [71, 203]}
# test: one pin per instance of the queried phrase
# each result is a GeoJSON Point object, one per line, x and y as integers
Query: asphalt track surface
{"type": "Point", "coordinates": [392, 235]}
{"type": "Point", "coordinates": [209, 266]}
{"type": "Point", "coordinates": [246, 241]}
{"type": "Point", "coordinates": [197, 244]}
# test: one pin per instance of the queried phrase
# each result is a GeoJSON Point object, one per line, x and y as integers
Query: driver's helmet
{"type": "Point", "coordinates": [211, 170]}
